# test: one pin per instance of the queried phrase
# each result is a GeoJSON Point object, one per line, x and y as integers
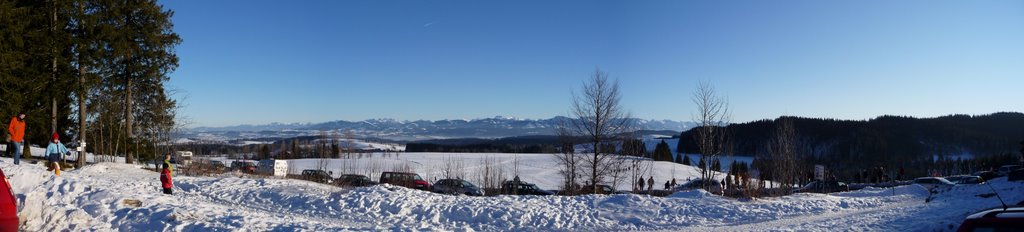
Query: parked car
{"type": "Point", "coordinates": [716, 187]}
{"type": "Point", "coordinates": [8, 205]}
{"type": "Point", "coordinates": [601, 189]}
{"type": "Point", "coordinates": [1006, 169]}
{"type": "Point", "coordinates": [218, 164]}
{"type": "Point", "coordinates": [523, 188]}
{"type": "Point", "coordinates": [405, 179]}
{"type": "Point", "coordinates": [353, 180]}
{"type": "Point", "coordinates": [965, 179]}
{"type": "Point", "coordinates": [932, 183]}
{"type": "Point", "coordinates": [319, 176]}
{"type": "Point", "coordinates": [457, 186]}
{"type": "Point", "coordinates": [986, 175]}
{"type": "Point", "coordinates": [828, 186]}
{"type": "Point", "coordinates": [247, 166]}
{"type": "Point", "coordinates": [999, 219]}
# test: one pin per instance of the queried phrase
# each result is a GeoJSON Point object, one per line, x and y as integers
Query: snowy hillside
{"type": "Point", "coordinates": [100, 198]}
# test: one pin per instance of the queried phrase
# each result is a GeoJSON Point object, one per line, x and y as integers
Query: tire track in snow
{"type": "Point", "coordinates": [821, 222]}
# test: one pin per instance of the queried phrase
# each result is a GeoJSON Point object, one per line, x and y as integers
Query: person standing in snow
{"type": "Point", "coordinates": [17, 131]}
{"type": "Point", "coordinates": [165, 179]}
{"type": "Point", "coordinates": [673, 182]}
{"type": "Point", "coordinates": [167, 161]}
{"type": "Point", "coordinates": [650, 184]}
{"type": "Point", "coordinates": [53, 153]}
{"type": "Point", "coordinates": [640, 184]}
{"type": "Point", "coordinates": [667, 184]}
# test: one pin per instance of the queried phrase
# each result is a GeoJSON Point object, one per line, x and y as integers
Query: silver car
{"type": "Point", "coordinates": [457, 186]}
{"type": "Point", "coordinates": [933, 183]}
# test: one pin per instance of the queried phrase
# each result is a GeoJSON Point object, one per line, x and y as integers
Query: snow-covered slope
{"type": "Point", "coordinates": [99, 197]}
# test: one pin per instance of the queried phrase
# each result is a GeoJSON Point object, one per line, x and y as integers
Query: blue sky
{"type": "Point", "coordinates": [254, 62]}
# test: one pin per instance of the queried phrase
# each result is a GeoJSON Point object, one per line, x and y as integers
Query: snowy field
{"type": "Point", "coordinates": [94, 199]}
{"type": "Point", "coordinates": [540, 169]}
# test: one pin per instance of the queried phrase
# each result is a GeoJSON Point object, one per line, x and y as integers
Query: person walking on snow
{"type": "Point", "coordinates": [165, 179]}
{"type": "Point", "coordinates": [650, 184]}
{"type": "Point", "coordinates": [17, 131]}
{"type": "Point", "coordinates": [54, 151]}
{"type": "Point", "coordinates": [640, 184]}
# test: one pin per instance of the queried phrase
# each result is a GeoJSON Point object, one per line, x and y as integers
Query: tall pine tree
{"type": "Point", "coordinates": [662, 152]}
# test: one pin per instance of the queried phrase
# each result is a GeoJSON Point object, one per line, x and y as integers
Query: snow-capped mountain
{"type": "Point", "coordinates": [495, 127]}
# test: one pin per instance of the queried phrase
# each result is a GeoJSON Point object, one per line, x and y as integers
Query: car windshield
{"type": "Point", "coordinates": [467, 184]}
{"type": "Point", "coordinates": [417, 177]}
{"type": "Point", "coordinates": [532, 186]}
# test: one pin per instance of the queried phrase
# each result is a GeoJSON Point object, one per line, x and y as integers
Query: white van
{"type": "Point", "coordinates": [183, 157]}
{"type": "Point", "coordinates": [272, 167]}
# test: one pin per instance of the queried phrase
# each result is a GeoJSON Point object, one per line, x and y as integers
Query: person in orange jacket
{"type": "Point", "coordinates": [17, 131]}
{"type": "Point", "coordinates": [165, 179]}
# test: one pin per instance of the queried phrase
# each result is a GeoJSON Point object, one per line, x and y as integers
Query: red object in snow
{"type": "Point", "coordinates": [8, 206]}
{"type": "Point", "coordinates": [165, 178]}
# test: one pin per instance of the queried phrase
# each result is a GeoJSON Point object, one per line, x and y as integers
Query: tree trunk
{"type": "Point", "coordinates": [53, 76]}
{"type": "Point", "coordinates": [81, 113]}
{"type": "Point", "coordinates": [129, 157]}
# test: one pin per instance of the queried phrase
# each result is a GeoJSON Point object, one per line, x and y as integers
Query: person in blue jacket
{"type": "Point", "coordinates": [53, 153]}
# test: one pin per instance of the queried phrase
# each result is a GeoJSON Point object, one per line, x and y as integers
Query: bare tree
{"type": "Point", "coordinates": [638, 168]}
{"type": "Point", "coordinates": [490, 173]}
{"type": "Point", "coordinates": [453, 168]}
{"type": "Point", "coordinates": [568, 160]}
{"type": "Point", "coordinates": [712, 116]}
{"type": "Point", "coordinates": [597, 118]}
{"type": "Point", "coordinates": [782, 148]}
{"type": "Point", "coordinates": [322, 154]}
{"type": "Point", "coordinates": [348, 143]}
{"type": "Point", "coordinates": [516, 164]}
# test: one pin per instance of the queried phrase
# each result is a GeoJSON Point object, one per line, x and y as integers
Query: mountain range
{"type": "Point", "coordinates": [391, 129]}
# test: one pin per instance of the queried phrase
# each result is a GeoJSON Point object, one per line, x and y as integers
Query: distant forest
{"type": "Point", "coordinates": [521, 144]}
{"type": "Point", "coordinates": [921, 146]}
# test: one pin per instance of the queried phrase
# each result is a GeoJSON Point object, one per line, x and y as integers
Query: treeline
{"type": "Point", "coordinates": [920, 146]}
{"type": "Point", "coordinates": [481, 148]}
{"type": "Point", "coordinates": [519, 144]}
{"type": "Point", "coordinates": [90, 70]}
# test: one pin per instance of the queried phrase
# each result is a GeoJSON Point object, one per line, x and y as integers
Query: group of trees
{"type": "Point", "coordinates": [785, 149]}
{"type": "Point", "coordinates": [101, 63]}
{"type": "Point", "coordinates": [789, 147]}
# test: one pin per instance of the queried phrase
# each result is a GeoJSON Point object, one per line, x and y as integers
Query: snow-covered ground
{"type": "Point", "coordinates": [97, 198]}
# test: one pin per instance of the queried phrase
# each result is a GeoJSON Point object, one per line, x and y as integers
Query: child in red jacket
{"type": "Point", "coordinates": [165, 179]}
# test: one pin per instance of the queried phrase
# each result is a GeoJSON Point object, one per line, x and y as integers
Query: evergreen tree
{"type": "Point", "coordinates": [716, 165]}
{"type": "Point", "coordinates": [686, 159]}
{"type": "Point", "coordinates": [662, 152]}
{"type": "Point", "coordinates": [634, 147]}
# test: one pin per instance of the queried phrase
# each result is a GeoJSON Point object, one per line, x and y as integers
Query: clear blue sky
{"type": "Point", "coordinates": [254, 62]}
